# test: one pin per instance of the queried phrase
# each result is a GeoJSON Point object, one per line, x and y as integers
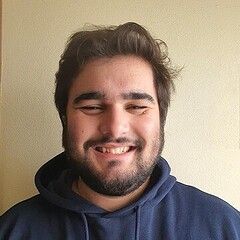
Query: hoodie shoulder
{"type": "Point", "coordinates": [25, 217]}
{"type": "Point", "coordinates": [195, 196]}
{"type": "Point", "coordinates": [29, 207]}
{"type": "Point", "coordinates": [208, 211]}
{"type": "Point", "coordinates": [24, 209]}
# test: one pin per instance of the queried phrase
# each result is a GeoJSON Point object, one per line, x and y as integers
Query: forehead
{"type": "Point", "coordinates": [115, 76]}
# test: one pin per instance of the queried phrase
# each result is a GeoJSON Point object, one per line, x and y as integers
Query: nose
{"type": "Point", "coordinates": [114, 123]}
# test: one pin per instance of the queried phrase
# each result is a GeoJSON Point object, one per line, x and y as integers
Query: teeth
{"type": "Point", "coordinates": [117, 150]}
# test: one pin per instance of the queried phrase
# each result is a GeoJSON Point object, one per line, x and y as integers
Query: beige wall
{"type": "Point", "coordinates": [1, 147]}
{"type": "Point", "coordinates": [202, 132]}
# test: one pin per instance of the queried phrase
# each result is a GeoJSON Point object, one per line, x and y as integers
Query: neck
{"type": "Point", "coordinates": [108, 203]}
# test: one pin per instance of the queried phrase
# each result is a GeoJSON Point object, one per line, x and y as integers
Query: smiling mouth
{"type": "Point", "coordinates": [115, 150]}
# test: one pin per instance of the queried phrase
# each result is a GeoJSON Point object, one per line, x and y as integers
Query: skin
{"type": "Point", "coordinates": [112, 118]}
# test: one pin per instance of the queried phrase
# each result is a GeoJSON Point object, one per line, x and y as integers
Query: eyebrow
{"type": "Point", "coordinates": [126, 96]}
{"type": "Point", "coordinates": [138, 95]}
{"type": "Point", "coordinates": [87, 96]}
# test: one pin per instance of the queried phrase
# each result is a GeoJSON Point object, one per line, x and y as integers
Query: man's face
{"type": "Point", "coordinates": [112, 132]}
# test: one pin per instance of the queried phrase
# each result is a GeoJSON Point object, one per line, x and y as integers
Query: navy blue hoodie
{"type": "Point", "coordinates": [168, 210]}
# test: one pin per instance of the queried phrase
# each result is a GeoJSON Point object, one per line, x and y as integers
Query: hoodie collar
{"type": "Point", "coordinates": [54, 179]}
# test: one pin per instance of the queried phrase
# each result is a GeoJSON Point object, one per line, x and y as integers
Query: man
{"type": "Point", "coordinates": [113, 90]}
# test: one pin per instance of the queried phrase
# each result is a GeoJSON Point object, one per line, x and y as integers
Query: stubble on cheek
{"type": "Point", "coordinates": [71, 141]}
{"type": "Point", "coordinates": [112, 179]}
{"type": "Point", "coordinates": [153, 151]}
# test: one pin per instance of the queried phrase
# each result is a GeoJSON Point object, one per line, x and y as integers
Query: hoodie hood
{"type": "Point", "coordinates": [54, 180]}
{"type": "Point", "coordinates": [166, 210]}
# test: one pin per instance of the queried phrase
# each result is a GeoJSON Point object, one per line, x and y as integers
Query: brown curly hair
{"type": "Point", "coordinates": [126, 39]}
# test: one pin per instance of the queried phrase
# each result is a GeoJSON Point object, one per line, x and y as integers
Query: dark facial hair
{"type": "Point", "coordinates": [118, 186]}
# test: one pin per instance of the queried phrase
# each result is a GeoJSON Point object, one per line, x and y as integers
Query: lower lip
{"type": "Point", "coordinates": [110, 156]}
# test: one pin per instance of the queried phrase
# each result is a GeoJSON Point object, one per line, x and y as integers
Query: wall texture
{"type": "Point", "coordinates": [202, 131]}
{"type": "Point", "coordinates": [1, 156]}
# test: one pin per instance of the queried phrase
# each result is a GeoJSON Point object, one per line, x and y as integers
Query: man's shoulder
{"type": "Point", "coordinates": [28, 211]}
{"type": "Point", "coordinates": [31, 217]}
{"type": "Point", "coordinates": [199, 206]}
{"type": "Point", "coordinates": [27, 207]}
{"type": "Point", "coordinates": [192, 195]}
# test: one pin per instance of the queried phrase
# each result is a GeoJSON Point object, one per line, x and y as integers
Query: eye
{"type": "Point", "coordinates": [137, 109]}
{"type": "Point", "coordinates": [91, 109]}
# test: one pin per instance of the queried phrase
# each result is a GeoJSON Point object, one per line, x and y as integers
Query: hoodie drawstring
{"type": "Point", "coordinates": [85, 226]}
{"type": "Point", "coordinates": [137, 223]}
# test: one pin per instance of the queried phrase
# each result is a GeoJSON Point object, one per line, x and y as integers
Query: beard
{"type": "Point", "coordinates": [123, 182]}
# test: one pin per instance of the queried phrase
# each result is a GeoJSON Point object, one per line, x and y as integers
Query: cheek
{"type": "Point", "coordinates": [149, 126]}
{"type": "Point", "coordinates": [76, 129]}
{"type": "Point", "coordinates": [80, 128]}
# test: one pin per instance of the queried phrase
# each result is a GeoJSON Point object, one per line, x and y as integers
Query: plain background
{"type": "Point", "coordinates": [202, 131]}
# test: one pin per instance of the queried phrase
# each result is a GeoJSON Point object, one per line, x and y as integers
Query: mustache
{"type": "Point", "coordinates": [138, 143]}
